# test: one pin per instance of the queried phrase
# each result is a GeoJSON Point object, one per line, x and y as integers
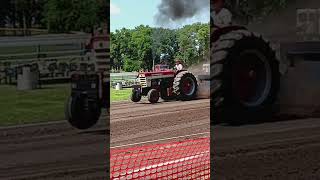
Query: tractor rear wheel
{"type": "Point", "coordinates": [185, 86]}
{"type": "Point", "coordinates": [80, 113]}
{"type": "Point", "coordinates": [245, 78]}
{"type": "Point", "coordinates": [153, 96]}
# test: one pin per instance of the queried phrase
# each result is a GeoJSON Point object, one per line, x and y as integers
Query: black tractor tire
{"type": "Point", "coordinates": [179, 86]}
{"type": "Point", "coordinates": [164, 95]}
{"type": "Point", "coordinates": [163, 91]}
{"type": "Point", "coordinates": [237, 51]}
{"type": "Point", "coordinates": [80, 116]}
{"type": "Point", "coordinates": [135, 96]}
{"type": "Point", "coordinates": [153, 96]}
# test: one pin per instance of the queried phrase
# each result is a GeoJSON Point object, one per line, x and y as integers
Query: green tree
{"type": "Point", "coordinates": [203, 37]}
{"type": "Point", "coordinates": [248, 10]}
{"type": "Point", "coordinates": [137, 48]}
{"type": "Point", "coordinates": [73, 15]}
{"type": "Point", "coordinates": [131, 65]}
{"type": "Point", "coordinates": [141, 44]}
{"type": "Point", "coordinates": [193, 42]}
{"type": "Point", "coordinates": [5, 7]}
{"type": "Point", "coordinates": [120, 47]}
{"type": "Point", "coordinates": [164, 44]}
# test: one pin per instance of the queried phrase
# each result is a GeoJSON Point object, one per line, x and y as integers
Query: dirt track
{"type": "Point", "coordinates": [57, 151]}
{"type": "Point", "coordinates": [53, 151]}
{"type": "Point", "coordinates": [140, 122]}
{"type": "Point", "coordinates": [275, 150]}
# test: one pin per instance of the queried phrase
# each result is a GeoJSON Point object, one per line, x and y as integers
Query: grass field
{"type": "Point", "coordinates": [120, 95]}
{"type": "Point", "coordinates": [24, 107]}
{"type": "Point", "coordinates": [40, 105]}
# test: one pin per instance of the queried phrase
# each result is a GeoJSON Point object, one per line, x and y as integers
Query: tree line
{"type": "Point", "coordinates": [55, 15]}
{"type": "Point", "coordinates": [246, 11]}
{"type": "Point", "coordinates": [143, 46]}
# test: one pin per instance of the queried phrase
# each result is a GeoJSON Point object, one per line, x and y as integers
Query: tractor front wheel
{"type": "Point", "coordinates": [153, 96]}
{"type": "Point", "coordinates": [135, 95]}
{"type": "Point", "coordinates": [81, 113]}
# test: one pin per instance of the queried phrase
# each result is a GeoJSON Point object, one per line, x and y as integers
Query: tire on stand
{"type": "Point", "coordinates": [245, 78]}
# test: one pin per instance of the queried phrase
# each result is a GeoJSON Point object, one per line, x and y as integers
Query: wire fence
{"type": "Point", "coordinates": [127, 79]}
{"type": "Point", "coordinates": [188, 159]}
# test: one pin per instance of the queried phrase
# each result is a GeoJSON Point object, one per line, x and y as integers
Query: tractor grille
{"type": "Point", "coordinates": [143, 81]}
{"type": "Point", "coordinates": [85, 83]}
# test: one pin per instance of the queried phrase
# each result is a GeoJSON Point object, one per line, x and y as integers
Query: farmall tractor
{"type": "Point", "coordinates": [250, 81]}
{"type": "Point", "coordinates": [165, 83]}
{"type": "Point", "coordinates": [90, 89]}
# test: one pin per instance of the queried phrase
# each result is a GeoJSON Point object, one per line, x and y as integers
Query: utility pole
{"type": "Point", "coordinates": [153, 63]}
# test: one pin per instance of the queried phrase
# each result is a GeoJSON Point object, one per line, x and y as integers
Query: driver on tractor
{"type": "Point", "coordinates": [178, 65]}
{"type": "Point", "coordinates": [222, 17]}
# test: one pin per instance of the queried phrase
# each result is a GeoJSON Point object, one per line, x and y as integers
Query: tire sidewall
{"type": "Point", "coordinates": [254, 44]}
{"type": "Point", "coordinates": [179, 88]}
{"type": "Point", "coordinates": [153, 96]}
{"type": "Point", "coordinates": [78, 117]}
{"type": "Point", "coordinates": [135, 95]}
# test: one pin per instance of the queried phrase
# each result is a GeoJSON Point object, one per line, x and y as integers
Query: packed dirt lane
{"type": "Point", "coordinates": [275, 150]}
{"type": "Point", "coordinates": [53, 151]}
{"type": "Point", "coordinates": [141, 122]}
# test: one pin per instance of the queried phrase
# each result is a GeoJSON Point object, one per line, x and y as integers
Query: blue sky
{"type": "Point", "coordinates": [131, 13]}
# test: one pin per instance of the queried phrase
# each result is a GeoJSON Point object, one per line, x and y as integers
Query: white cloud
{"type": "Point", "coordinates": [114, 9]}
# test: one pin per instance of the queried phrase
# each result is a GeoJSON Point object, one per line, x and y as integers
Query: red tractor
{"type": "Point", "coordinates": [165, 83]}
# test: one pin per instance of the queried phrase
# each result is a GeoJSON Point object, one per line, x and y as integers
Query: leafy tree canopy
{"type": "Point", "coordinates": [136, 49]}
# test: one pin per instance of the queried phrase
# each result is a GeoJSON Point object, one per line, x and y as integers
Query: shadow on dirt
{"type": "Point", "coordinates": [275, 118]}
{"type": "Point", "coordinates": [96, 132]}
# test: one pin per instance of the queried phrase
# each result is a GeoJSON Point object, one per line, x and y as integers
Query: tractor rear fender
{"type": "Point", "coordinates": [221, 31]}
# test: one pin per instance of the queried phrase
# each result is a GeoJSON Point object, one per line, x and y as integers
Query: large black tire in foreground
{"type": "Point", "coordinates": [81, 114]}
{"type": "Point", "coordinates": [245, 78]}
{"type": "Point", "coordinates": [185, 86]}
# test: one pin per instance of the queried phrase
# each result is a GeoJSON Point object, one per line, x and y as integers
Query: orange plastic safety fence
{"type": "Point", "coordinates": [188, 159]}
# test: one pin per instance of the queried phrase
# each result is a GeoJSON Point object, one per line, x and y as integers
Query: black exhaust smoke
{"type": "Point", "coordinates": [179, 10]}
